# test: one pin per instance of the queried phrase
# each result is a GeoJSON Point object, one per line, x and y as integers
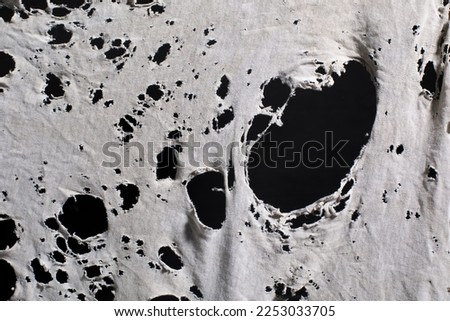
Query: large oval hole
{"type": "Point", "coordinates": [305, 159]}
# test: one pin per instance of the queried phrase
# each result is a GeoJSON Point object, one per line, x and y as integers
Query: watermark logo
{"type": "Point", "coordinates": [312, 154]}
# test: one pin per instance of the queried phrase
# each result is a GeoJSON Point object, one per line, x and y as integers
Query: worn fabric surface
{"type": "Point", "coordinates": [76, 75]}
